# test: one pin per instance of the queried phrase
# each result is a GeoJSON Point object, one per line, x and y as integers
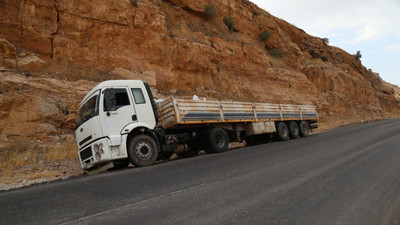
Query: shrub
{"type": "Point", "coordinates": [358, 55]}
{"type": "Point", "coordinates": [212, 44]}
{"type": "Point", "coordinates": [276, 53]}
{"type": "Point", "coordinates": [325, 40]}
{"type": "Point", "coordinates": [229, 23]}
{"type": "Point", "coordinates": [210, 11]}
{"type": "Point", "coordinates": [265, 35]}
{"type": "Point", "coordinates": [134, 3]}
{"type": "Point", "coordinates": [23, 152]}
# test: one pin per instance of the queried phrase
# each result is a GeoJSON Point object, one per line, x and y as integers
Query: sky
{"type": "Point", "coordinates": [369, 26]}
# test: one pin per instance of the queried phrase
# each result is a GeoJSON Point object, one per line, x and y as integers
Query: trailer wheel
{"type": "Point", "coordinates": [304, 128]}
{"type": "Point", "coordinates": [142, 151]}
{"type": "Point", "coordinates": [217, 141]}
{"type": "Point", "coordinates": [283, 131]}
{"type": "Point", "coordinates": [294, 130]}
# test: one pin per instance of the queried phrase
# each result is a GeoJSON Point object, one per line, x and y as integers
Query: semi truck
{"type": "Point", "coordinates": [119, 122]}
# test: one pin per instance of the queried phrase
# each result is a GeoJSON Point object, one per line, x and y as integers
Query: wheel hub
{"type": "Point", "coordinates": [219, 141]}
{"type": "Point", "coordinates": [143, 150]}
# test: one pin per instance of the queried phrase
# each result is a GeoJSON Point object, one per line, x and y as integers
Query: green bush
{"type": "Point", "coordinates": [229, 23]}
{"type": "Point", "coordinates": [358, 55]}
{"type": "Point", "coordinates": [265, 35]}
{"type": "Point", "coordinates": [325, 40]}
{"type": "Point", "coordinates": [210, 11]}
{"type": "Point", "coordinates": [276, 53]}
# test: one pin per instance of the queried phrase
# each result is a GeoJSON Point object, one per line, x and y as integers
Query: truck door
{"type": "Point", "coordinates": [143, 106]}
{"type": "Point", "coordinates": [117, 110]}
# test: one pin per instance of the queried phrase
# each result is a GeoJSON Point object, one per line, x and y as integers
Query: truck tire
{"type": "Point", "coordinates": [294, 130]}
{"type": "Point", "coordinates": [282, 131]}
{"type": "Point", "coordinates": [304, 128]}
{"type": "Point", "coordinates": [142, 150]}
{"type": "Point", "coordinates": [217, 141]}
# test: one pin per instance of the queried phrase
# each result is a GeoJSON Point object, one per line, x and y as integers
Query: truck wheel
{"type": "Point", "coordinates": [304, 128]}
{"type": "Point", "coordinates": [217, 141]}
{"type": "Point", "coordinates": [294, 130]}
{"type": "Point", "coordinates": [283, 131]}
{"type": "Point", "coordinates": [143, 151]}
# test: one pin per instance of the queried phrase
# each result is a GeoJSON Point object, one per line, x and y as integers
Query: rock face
{"type": "Point", "coordinates": [65, 47]}
{"type": "Point", "coordinates": [31, 107]}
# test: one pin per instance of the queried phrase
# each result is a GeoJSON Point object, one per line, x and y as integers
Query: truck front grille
{"type": "Point", "coordinates": [85, 140]}
{"type": "Point", "coordinates": [86, 153]}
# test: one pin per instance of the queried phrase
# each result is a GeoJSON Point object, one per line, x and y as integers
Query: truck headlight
{"type": "Point", "coordinates": [98, 148]}
{"type": "Point", "coordinates": [98, 156]}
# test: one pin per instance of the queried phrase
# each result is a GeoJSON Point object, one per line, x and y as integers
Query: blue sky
{"type": "Point", "coordinates": [369, 26]}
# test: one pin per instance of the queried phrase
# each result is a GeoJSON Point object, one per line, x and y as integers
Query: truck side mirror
{"type": "Point", "coordinates": [109, 100]}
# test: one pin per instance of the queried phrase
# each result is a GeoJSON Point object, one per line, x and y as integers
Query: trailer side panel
{"type": "Point", "coordinates": [175, 112]}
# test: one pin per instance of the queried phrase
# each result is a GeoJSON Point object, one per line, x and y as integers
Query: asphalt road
{"type": "Point", "coordinates": [347, 176]}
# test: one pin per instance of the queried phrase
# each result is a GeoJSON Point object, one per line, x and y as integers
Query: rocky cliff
{"type": "Point", "coordinates": [52, 52]}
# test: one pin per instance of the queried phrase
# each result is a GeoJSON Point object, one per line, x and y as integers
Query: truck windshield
{"type": "Point", "coordinates": [88, 110]}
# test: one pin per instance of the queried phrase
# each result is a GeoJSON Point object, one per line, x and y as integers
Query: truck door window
{"type": "Point", "coordinates": [121, 97]}
{"type": "Point", "coordinates": [138, 95]}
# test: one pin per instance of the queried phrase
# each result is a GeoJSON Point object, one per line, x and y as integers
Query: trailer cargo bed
{"type": "Point", "coordinates": [174, 112]}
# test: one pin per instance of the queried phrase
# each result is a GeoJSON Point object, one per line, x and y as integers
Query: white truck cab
{"type": "Point", "coordinates": [107, 115]}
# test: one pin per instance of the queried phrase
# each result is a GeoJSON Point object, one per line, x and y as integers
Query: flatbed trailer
{"type": "Point", "coordinates": [254, 123]}
{"type": "Point", "coordinates": [174, 112]}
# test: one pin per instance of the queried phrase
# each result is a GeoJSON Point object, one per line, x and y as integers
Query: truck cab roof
{"type": "Point", "coordinates": [112, 83]}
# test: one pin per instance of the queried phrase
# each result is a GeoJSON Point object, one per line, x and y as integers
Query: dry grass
{"type": "Point", "coordinates": [22, 153]}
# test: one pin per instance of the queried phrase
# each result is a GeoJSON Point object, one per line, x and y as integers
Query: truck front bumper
{"type": "Point", "coordinates": [95, 154]}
